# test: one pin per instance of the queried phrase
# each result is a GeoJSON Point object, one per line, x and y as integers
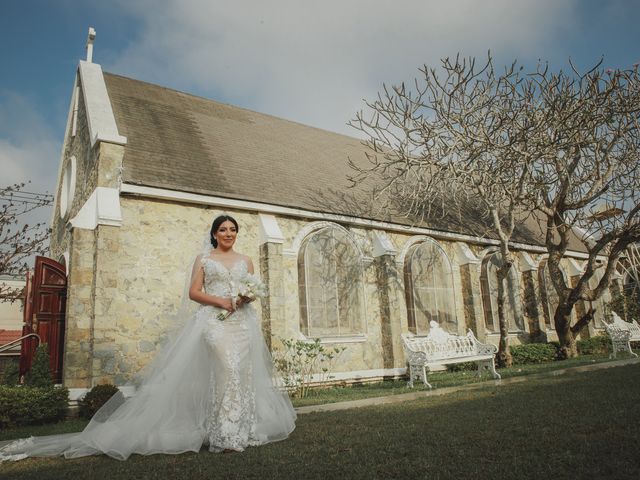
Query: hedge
{"type": "Point", "coordinates": [598, 345]}
{"type": "Point", "coordinates": [23, 405]}
{"type": "Point", "coordinates": [533, 353]}
{"type": "Point", "coordinates": [95, 398]}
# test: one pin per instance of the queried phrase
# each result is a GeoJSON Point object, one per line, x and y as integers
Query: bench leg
{"type": "Point", "coordinates": [413, 373]}
{"type": "Point", "coordinates": [424, 378]}
{"type": "Point", "coordinates": [623, 347]}
{"type": "Point", "coordinates": [489, 365]}
{"type": "Point", "coordinates": [418, 372]}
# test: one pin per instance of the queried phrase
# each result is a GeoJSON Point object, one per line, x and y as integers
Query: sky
{"type": "Point", "coordinates": [309, 61]}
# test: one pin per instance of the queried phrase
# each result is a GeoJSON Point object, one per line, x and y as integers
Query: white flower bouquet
{"type": "Point", "coordinates": [249, 287]}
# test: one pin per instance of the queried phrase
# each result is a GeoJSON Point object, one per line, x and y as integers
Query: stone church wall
{"type": "Point", "coordinates": [127, 284]}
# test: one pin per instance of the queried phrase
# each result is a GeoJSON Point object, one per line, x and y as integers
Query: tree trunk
{"type": "Point", "coordinates": [566, 337]}
{"type": "Point", "coordinates": [504, 355]}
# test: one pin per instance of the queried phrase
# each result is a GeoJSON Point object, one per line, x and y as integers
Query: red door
{"type": "Point", "coordinates": [45, 300]}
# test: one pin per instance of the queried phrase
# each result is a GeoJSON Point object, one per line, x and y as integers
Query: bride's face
{"type": "Point", "coordinates": [226, 235]}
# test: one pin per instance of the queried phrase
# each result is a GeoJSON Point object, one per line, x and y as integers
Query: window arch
{"type": "Point", "coordinates": [489, 287]}
{"type": "Point", "coordinates": [429, 292]}
{"type": "Point", "coordinates": [68, 189]}
{"type": "Point", "coordinates": [548, 293]}
{"type": "Point", "coordinates": [331, 284]}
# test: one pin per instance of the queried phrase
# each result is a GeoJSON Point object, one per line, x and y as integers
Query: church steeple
{"type": "Point", "coordinates": [90, 38]}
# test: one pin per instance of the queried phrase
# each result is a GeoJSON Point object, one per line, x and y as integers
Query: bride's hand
{"type": "Point", "coordinates": [227, 304]}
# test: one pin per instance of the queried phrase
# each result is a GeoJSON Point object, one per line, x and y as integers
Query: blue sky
{"type": "Point", "coordinates": [308, 61]}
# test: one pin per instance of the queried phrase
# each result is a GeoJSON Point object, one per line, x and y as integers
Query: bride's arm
{"type": "Point", "coordinates": [242, 299]}
{"type": "Point", "coordinates": [197, 294]}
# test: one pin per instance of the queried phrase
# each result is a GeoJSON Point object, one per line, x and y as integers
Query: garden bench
{"type": "Point", "coordinates": [441, 348]}
{"type": "Point", "coordinates": [622, 334]}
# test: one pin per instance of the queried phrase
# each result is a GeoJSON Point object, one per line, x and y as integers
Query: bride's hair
{"type": "Point", "coordinates": [216, 225]}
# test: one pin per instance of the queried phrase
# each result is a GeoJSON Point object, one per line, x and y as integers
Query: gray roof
{"type": "Point", "coordinates": [187, 143]}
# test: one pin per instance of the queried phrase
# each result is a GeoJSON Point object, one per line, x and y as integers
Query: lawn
{"type": "Point", "coordinates": [577, 425]}
{"type": "Point", "coordinates": [437, 379]}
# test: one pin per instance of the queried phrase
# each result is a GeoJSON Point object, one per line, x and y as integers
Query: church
{"type": "Point", "coordinates": [145, 169]}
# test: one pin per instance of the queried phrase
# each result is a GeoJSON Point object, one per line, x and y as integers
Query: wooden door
{"type": "Point", "coordinates": [45, 301]}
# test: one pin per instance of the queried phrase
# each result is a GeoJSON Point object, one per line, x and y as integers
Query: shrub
{"type": "Point", "coordinates": [598, 345]}
{"type": "Point", "coordinates": [22, 405]}
{"type": "Point", "coordinates": [533, 353]}
{"type": "Point", "coordinates": [300, 361]}
{"type": "Point", "coordinates": [462, 367]}
{"type": "Point", "coordinates": [95, 398]}
{"type": "Point", "coordinates": [11, 373]}
{"type": "Point", "coordinates": [40, 373]}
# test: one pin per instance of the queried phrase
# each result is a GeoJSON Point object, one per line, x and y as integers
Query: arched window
{"type": "Point", "coordinates": [548, 294]}
{"type": "Point", "coordinates": [428, 280]}
{"type": "Point", "coordinates": [331, 284]}
{"type": "Point", "coordinates": [489, 287]}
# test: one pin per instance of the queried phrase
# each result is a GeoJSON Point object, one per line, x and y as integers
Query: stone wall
{"type": "Point", "coordinates": [140, 274]}
{"type": "Point", "coordinates": [127, 284]}
{"type": "Point", "coordinates": [78, 146]}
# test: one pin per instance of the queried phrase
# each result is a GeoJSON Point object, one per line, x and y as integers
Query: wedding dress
{"type": "Point", "coordinates": [213, 385]}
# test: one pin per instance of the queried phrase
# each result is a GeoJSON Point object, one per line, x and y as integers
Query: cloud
{"type": "Point", "coordinates": [29, 151]}
{"type": "Point", "coordinates": [314, 62]}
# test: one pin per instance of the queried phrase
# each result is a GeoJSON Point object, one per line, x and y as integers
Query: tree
{"type": "Point", "coordinates": [40, 373]}
{"type": "Point", "coordinates": [19, 241]}
{"type": "Point", "coordinates": [559, 148]}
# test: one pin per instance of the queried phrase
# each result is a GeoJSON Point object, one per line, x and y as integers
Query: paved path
{"type": "Point", "coordinates": [403, 397]}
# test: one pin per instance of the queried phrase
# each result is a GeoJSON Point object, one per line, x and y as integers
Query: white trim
{"type": "Point", "coordinates": [573, 268]}
{"type": "Point", "coordinates": [335, 340]}
{"type": "Point", "coordinates": [211, 200]}
{"type": "Point", "coordinates": [400, 258]}
{"type": "Point", "coordinates": [464, 255]}
{"type": "Point", "coordinates": [65, 140]}
{"type": "Point", "coordinates": [362, 374]}
{"type": "Point", "coordinates": [74, 120]}
{"type": "Point", "coordinates": [102, 208]}
{"type": "Point", "coordinates": [66, 257]}
{"type": "Point", "coordinates": [382, 245]}
{"type": "Point", "coordinates": [527, 263]}
{"type": "Point", "coordinates": [100, 118]}
{"type": "Point", "coordinates": [308, 229]}
{"type": "Point", "coordinates": [68, 187]}
{"type": "Point", "coordinates": [269, 229]}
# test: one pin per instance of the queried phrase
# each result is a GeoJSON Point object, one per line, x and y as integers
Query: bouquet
{"type": "Point", "coordinates": [250, 287]}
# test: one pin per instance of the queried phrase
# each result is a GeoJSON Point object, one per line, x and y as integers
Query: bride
{"type": "Point", "coordinates": [213, 384]}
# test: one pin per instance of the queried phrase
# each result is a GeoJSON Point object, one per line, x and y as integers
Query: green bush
{"type": "Point", "coordinates": [462, 367]}
{"type": "Point", "coordinates": [299, 361]}
{"type": "Point", "coordinates": [533, 353]}
{"type": "Point", "coordinates": [95, 398]}
{"type": "Point", "coordinates": [598, 345]}
{"type": "Point", "coordinates": [11, 373]}
{"type": "Point", "coordinates": [22, 405]}
{"type": "Point", "coordinates": [40, 373]}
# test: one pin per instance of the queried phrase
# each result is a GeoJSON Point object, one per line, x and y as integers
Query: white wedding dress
{"type": "Point", "coordinates": [213, 384]}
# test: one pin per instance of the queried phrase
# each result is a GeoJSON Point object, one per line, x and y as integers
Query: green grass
{"type": "Point", "coordinates": [577, 425]}
{"type": "Point", "coordinates": [437, 379]}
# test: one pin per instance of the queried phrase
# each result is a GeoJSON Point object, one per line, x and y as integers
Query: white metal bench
{"type": "Point", "coordinates": [622, 334]}
{"type": "Point", "coordinates": [442, 348]}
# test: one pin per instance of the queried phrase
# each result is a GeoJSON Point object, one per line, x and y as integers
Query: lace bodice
{"type": "Point", "coordinates": [218, 279]}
